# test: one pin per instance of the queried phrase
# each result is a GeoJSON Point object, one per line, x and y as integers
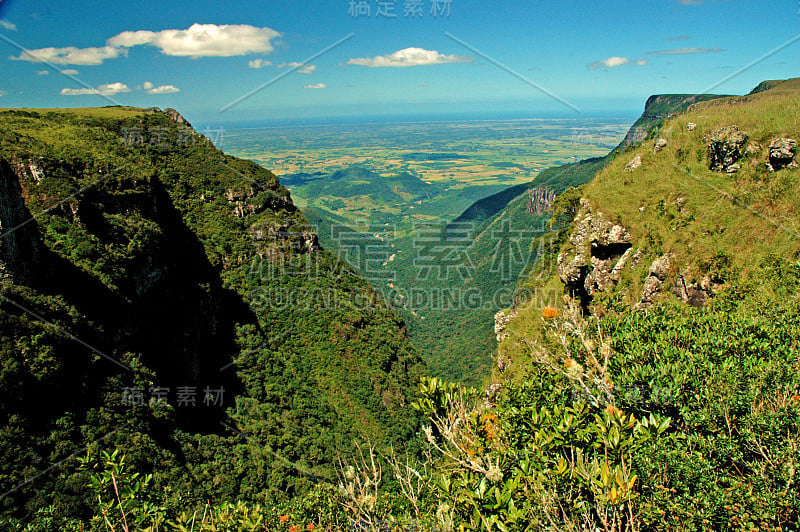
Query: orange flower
{"type": "Point", "coordinates": [489, 418]}
{"type": "Point", "coordinates": [294, 528]}
{"type": "Point", "coordinates": [549, 313]}
{"type": "Point", "coordinates": [796, 397]}
{"type": "Point", "coordinates": [310, 526]}
{"type": "Point", "coordinates": [284, 518]}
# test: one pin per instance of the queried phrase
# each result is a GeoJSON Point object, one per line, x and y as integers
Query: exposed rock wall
{"type": "Point", "coordinates": [19, 238]}
{"type": "Point", "coordinates": [598, 254]}
{"type": "Point", "coordinates": [598, 251]}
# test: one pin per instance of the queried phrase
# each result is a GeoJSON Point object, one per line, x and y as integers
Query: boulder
{"type": "Point", "coordinates": [753, 148]}
{"type": "Point", "coordinates": [693, 294]}
{"type": "Point", "coordinates": [651, 287]}
{"type": "Point", "coordinates": [691, 126]}
{"type": "Point", "coordinates": [660, 145]}
{"type": "Point", "coordinates": [503, 363]}
{"type": "Point", "coordinates": [635, 163]}
{"type": "Point", "coordinates": [661, 266]}
{"type": "Point", "coordinates": [725, 146]}
{"type": "Point", "coordinates": [782, 152]}
{"type": "Point", "coordinates": [658, 272]}
{"type": "Point", "coordinates": [732, 169]}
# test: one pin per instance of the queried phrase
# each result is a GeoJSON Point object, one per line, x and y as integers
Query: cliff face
{"type": "Point", "coordinates": [658, 108]}
{"type": "Point", "coordinates": [19, 240]}
{"type": "Point", "coordinates": [154, 264]}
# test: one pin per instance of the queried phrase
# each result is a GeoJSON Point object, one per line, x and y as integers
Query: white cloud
{"type": "Point", "coordinates": [2, 93]}
{"type": "Point", "coordinates": [611, 62]}
{"type": "Point", "coordinates": [147, 85]}
{"type": "Point", "coordinates": [409, 57]}
{"type": "Point", "coordinates": [7, 25]}
{"type": "Point", "coordinates": [614, 62]}
{"type": "Point", "coordinates": [70, 72]}
{"type": "Point", "coordinates": [259, 63]}
{"type": "Point", "coordinates": [163, 89]}
{"type": "Point", "coordinates": [108, 89]}
{"type": "Point", "coordinates": [681, 51]}
{"type": "Point", "coordinates": [680, 38]}
{"type": "Point", "coordinates": [317, 86]}
{"type": "Point", "coordinates": [71, 55]}
{"type": "Point", "coordinates": [306, 69]}
{"type": "Point", "coordinates": [202, 40]}
{"type": "Point", "coordinates": [43, 72]}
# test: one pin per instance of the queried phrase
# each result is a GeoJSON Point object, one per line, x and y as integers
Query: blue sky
{"type": "Point", "coordinates": [603, 58]}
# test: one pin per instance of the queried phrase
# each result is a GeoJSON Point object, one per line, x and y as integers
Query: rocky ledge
{"type": "Point", "coordinates": [599, 251]}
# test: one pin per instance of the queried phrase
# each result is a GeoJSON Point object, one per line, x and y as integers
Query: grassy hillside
{"type": "Point", "coordinates": [658, 108]}
{"type": "Point", "coordinates": [724, 376]}
{"type": "Point", "coordinates": [741, 217]}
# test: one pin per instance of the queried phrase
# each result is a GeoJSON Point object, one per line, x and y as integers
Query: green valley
{"type": "Point", "coordinates": [216, 368]}
{"type": "Point", "coordinates": [386, 198]}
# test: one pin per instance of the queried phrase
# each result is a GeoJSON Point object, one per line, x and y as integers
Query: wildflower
{"type": "Point", "coordinates": [549, 313]}
{"type": "Point", "coordinates": [284, 518]}
{"type": "Point", "coordinates": [294, 528]}
{"type": "Point", "coordinates": [494, 474]}
{"type": "Point", "coordinates": [796, 397]}
{"type": "Point", "coordinates": [612, 410]}
{"type": "Point", "coordinates": [489, 418]}
{"type": "Point", "coordinates": [310, 526]}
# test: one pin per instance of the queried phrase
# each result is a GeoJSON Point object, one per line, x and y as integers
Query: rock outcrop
{"type": "Point", "coordinates": [244, 203]}
{"type": "Point", "coordinates": [275, 238]}
{"type": "Point", "coordinates": [782, 152]}
{"type": "Point", "coordinates": [690, 293]}
{"type": "Point", "coordinates": [659, 145]}
{"type": "Point", "coordinates": [635, 163]}
{"type": "Point", "coordinates": [657, 274]}
{"type": "Point", "coordinates": [725, 148]}
{"type": "Point", "coordinates": [661, 270]}
{"type": "Point", "coordinates": [539, 200]}
{"type": "Point", "coordinates": [501, 321]}
{"type": "Point", "coordinates": [19, 237]}
{"type": "Point", "coordinates": [176, 116]}
{"type": "Point", "coordinates": [599, 251]}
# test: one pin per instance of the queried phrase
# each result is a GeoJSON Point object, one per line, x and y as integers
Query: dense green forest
{"type": "Point", "coordinates": [165, 301]}
{"type": "Point", "coordinates": [648, 377]}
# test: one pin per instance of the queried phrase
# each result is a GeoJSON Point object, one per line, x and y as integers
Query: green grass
{"type": "Point", "coordinates": [745, 215]}
{"type": "Point", "coordinates": [720, 225]}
